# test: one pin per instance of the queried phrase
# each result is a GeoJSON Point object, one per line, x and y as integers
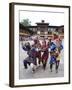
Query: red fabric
{"type": "Point", "coordinates": [55, 37]}
{"type": "Point", "coordinates": [45, 56]}
{"type": "Point", "coordinates": [45, 53]}
{"type": "Point", "coordinates": [39, 55]}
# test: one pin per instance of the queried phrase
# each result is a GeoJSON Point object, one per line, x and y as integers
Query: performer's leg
{"type": "Point", "coordinates": [38, 61]}
{"type": "Point", "coordinates": [29, 63]}
{"type": "Point", "coordinates": [51, 65]}
{"type": "Point", "coordinates": [39, 58]}
{"type": "Point", "coordinates": [42, 61]}
{"type": "Point", "coordinates": [26, 61]}
{"type": "Point", "coordinates": [45, 61]}
{"type": "Point", "coordinates": [25, 64]}
{"type": "Point", "coordinates": [35, 61]}
{"type": "Point", "coordinates": [57, 65]}
{"type": "Point", "coordinates": [44, 64]}
{"type": "Point", "coordinates": [32, 66]}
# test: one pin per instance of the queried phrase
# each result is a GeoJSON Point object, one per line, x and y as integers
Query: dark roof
{"type": "Point", "coordinates": [48, 26]}
{"type": "Point", "coordinates": [42, 23]}
{"type": "Point", "coordinates": [27, 27]}
{"type": "Point", "coordinates": [53, 26]}
{"type": "Point", "coordinates": [61, 26]}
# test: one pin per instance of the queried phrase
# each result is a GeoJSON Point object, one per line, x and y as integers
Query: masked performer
{"type": "Point", "coordinates": [45, 53]}
{"type": "Point", "coordinates": [55, 49]}
{"type": "Point", "coordinates": [38, 48]}
{"type": "Point", "coordinates": [31, 51]}
{"type": "Point", "coordinates": [58, 54]}
{"type": "Point", "coordinates": [52, 49]}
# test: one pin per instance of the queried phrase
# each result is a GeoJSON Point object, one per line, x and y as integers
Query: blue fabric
{"type": "Point", "coordinates": [61, 47]}
{"type": "Point", "coordinates": [52, 46]}
{"type": "Point", "coordinates": [31, 55]}
{"type": "Point", "coordinates": [52, 59]}
{"type": "Point", "coordinates": [30, 51]}
{"type": "Point", "coordinates": [26, 47]}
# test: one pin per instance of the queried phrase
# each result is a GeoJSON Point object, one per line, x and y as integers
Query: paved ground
{"type": "Point", "coordinates": [39, 73]}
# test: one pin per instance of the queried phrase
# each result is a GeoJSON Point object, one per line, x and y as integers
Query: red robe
{"type": "Point", "coordinates": [38, 45]}
{"type": "Point", "coordinates": [45, 52]}
{"type": "Point", "coordinates": [39, 52]}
